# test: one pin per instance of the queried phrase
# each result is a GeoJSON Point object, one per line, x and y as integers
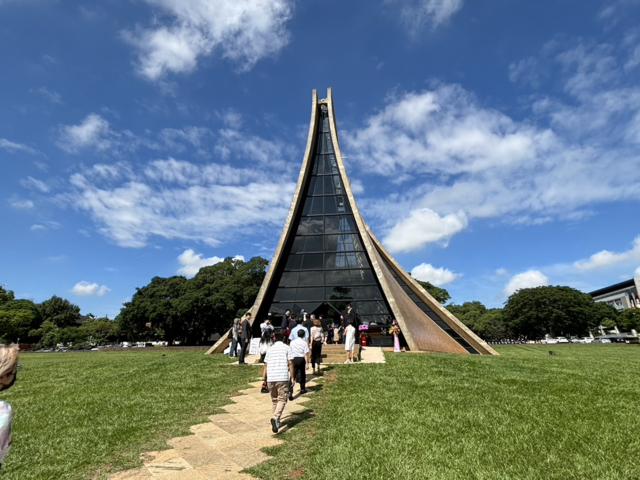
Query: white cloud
{"type": "Point", "coordinates": [192, 262]}
{"type": "Point", "coordinates": [458, 155]}
{"type": "Point", "coordinates": [34, 184]}
{"type": "Point", "coordinates": [176, 199]}
{"type": "Point", "coordinates": [17, 147]}
{"type": "Point", "coordinates": [501, 271]}
{"type": "Point", "coordinates": [92, 132]}
{"type": "Point", "coordinates": [417, 14]}
{"type": "Point", "coordinates": [175, 138]}
{"type": "Point", "coordinates": [436, 276]}
{"type": "Point", "coordinates": [423, 226]}
{"type": "Point", "coordinates": [606, 258]}
{"type": "Point", "coordinates": [50, 95]}
{"type": "Point", "coordinates": [38, 227]}
{"type": "Point", "coordinates": [21, 204]}
{"type": "Point", "coordinates": [243, 31]}
{"type": "Point", "coordinates": [86, 289]}
{"type": "Point", "coordinates": [528, 279]}
{"type": "Point", "coordinates": [636, 274]}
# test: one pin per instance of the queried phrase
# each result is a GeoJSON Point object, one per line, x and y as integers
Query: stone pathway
{"type": "Point", "coordinates": [223, 447]}
{"type": "Point", "coordinates": [372, 355]}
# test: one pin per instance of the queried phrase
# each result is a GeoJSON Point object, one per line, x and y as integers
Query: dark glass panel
{"type": "Point", "coordinates": [278, 309]}
{"type": "Point", "coordinates": [331, 165]}
{"type": "Point", "coordinates": [307, 206]}
{"type": "Point", "coordinates": [312, 261]}
{"type": "Point", "coordinates": [371, 308]}
{"type": "Point", "coordinates": [337, 185]}
{"type": "Point", "coordinates": [342, 205]}
{"type": "Point", "coordinates": [310, 279]}
{"type": "Point", "coordinates": [381, 319]}
{"type": "Point", "coordinates": [346, 260]}
{"type": "Point", "coordinates": [298, 245]}
{"type": "Point", "coordinates": [330, 205]}
{"type": "Point", "coordinates": [339, 293]}
{"type": "Point", "coordinates": [289, 279]}
{"type": "Point", "coordinates": [310, 226]}
{"type": "Point", "coordinates": [285, 295]}
{"type": "Point", "coordinates": [317, 191]}
{"type": "Point", "coordinates": [369, 292]}
{"type": "Point", "coordinates": [340, 225]}
{"type": "Point", "coordinates": [313, 244]}
{"type": "Point", "coordinates": [338, 278]}
{"type": "Point", "coordinates": [312, 185]}
{"type": "Point", "coordinates": [293, 262]}
{"type": "Point", "coordinates": [342, 243]}
{"type": "Point", "coordinates": [328, 185]}
{"type": "Point", "coordinates": [362, 277]}
{"type": "Point", "coordinates": [317, 207]}
{"type": "Point", "coordinates": [313, 293]}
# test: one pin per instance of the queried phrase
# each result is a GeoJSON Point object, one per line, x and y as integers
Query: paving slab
{"type": "Point", "coordinates": [221, 448]}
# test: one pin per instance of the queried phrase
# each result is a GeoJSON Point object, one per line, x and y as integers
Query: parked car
{"type": "Point", "coordinates": [562, 340]}
{"type": "Point", "coordinates": [601, 340]}
{"type": "Point", "coordinates": [551, 341]}
{"type": "Point", "coordinates": [587, 340]}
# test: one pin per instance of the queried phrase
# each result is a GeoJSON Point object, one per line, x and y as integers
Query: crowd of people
{"type": "Point", "coordinates": [288, 351]}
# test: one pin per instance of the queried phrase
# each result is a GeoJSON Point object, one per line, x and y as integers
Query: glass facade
{"type": "Point", "coordinates": [326, 264]}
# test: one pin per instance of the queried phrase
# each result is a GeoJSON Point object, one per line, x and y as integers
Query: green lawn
{"type": "Point", "coordinates": [523, 415]}
{"type": "Point", "coordinates": [79, 415]}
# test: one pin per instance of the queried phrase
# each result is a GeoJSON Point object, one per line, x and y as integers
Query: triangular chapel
{"type": "Point", "coordinates": [327, 257]}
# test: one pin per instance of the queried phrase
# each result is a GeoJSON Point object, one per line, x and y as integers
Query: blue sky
{"type": "Point", "coordinates": [491, 145]}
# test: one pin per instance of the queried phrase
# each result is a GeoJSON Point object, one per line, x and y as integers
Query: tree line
{"type": "Point", "coordinates": [49, 323]}
{"type": "Point", "coordinates": [532, 313]}
{"type": "Point", "coordinates": [191, 310]}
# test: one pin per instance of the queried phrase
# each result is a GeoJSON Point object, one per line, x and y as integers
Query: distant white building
{"type": "Point", "coordinates": [622, 296]}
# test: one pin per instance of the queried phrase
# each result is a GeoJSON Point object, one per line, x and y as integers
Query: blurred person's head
{"type": "Point", "coordinates": [8, 365]}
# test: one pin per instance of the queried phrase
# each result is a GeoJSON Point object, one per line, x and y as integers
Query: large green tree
{"type": "Point", "coordinates": [100, 330]}
{"type": "Point", "coordinates": [17, 319]}
{"type": "Point", "coordinates": [554, 310]}
{"type": "Point", "coordinates": [468, 313]}
{"type": "Point", "coordinates": [440, 294]}
{"type": "Point", "coordinates": [629, 320]}
{"type": "Point", "coordinates": [191, 310]}
{"type": "Point", "coordinates": [60, 311]}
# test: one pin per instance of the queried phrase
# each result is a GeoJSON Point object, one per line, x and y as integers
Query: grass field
{"type": "Point", "coordinates": [523, 415]}
{"type": "Point", "coordinates": [79, 415]}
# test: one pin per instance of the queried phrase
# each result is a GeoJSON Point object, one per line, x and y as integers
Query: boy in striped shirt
{"type": "Point", "coordinates": [278, 371]}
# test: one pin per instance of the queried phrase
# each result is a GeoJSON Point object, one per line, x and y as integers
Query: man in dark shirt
{"type": "Point", "coordinates": [308, 323]}
{"type": "Point", "coordinates": [285, 320]}
{"type": "Point", "coordinates": [245, 338]}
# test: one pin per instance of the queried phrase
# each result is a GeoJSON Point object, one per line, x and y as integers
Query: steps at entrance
{"type": "Point", "coordinates": [337, 353]}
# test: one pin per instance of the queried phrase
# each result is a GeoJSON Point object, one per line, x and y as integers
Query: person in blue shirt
{"type": "Point", "coordinates": [294, 332]}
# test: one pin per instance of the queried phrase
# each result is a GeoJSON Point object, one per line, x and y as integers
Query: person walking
{"type": "Point", "coordinates": [300, 351]}
{"type": "Point", "coordinates": [349, 341]}
{"type": "Point", "coordinates": [278, 373]}
{"type": "Point", "coordinates": [308, 323]}
{"type": "Point", "coordinates": [234, 337]}
{"type": "Point", "coordinates": [266, 341]}
{"type": "Point", "coordinates": [245, 338]}
{"type": "Point", "coordinates": [317, 336]}
{"type": "Point", "coordinates": [325, 329]}
{"type": "Point", "coordinates": [285, 320]}
{"type": "Point", "coordinates": [294, 331]}
{"type": "Point", "coordinates": [266, 325]}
